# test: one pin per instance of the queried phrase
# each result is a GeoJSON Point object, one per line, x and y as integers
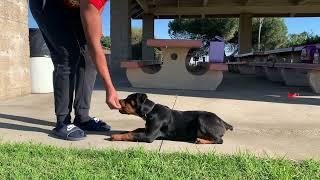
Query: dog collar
{"type": "Point", "coordinates": [144, 116]}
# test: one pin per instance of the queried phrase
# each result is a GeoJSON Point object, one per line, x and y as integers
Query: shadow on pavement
{"type": "Point", "coordinates": [234, 86]}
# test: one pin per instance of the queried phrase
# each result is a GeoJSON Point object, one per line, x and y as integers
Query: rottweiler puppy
{"type": "Point", "coordinates": [200, 127]}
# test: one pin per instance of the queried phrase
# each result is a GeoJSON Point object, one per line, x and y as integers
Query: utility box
{"type": "Point", "coordinates": [216, 51]}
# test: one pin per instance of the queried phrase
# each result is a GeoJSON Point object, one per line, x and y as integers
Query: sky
{"type": "Point", "coordinates": [295, 25]}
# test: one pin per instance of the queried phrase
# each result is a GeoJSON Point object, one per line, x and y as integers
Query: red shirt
{"type": "Point", "coordinates": [76, 3]}
{"type": "Point", "coordinates": [98, 3]}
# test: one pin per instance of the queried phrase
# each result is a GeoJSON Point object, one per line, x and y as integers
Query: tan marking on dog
{"type": "Point", "coordinates": [127, 108]}
{"type": "Point", "coordinates": [204, 141]}
{"type": "Point", "coordinates": [122, 137]}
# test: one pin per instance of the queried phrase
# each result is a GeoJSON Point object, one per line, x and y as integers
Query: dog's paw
{"type": "Point", "coordinates": [112, 138]}
{"type": "Point", "coordinates": [116, 137]}
{"type": "Point", "coordinates": [197, 141]}
{"type": "Point", "coordinates": [204, 141]}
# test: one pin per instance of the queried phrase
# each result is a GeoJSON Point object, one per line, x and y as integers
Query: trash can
{"type": "Point", "coordinates": [216, 50]}
{"type": "Point", "coordinates": [41, 67]}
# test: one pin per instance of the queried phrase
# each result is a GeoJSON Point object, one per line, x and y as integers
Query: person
{"type": "Point", "coordinates": [72, 30]}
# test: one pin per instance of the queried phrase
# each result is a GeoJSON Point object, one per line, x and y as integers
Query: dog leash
{"type": "Point", "coordinates": [175, 101]}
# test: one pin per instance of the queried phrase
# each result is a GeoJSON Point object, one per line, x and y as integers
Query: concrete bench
{"type": "Point", "coordinates": [234, 66]}
{"type": "Point", "coordinates": [283, 55]}
{"type": "Point", "coordinates": [264, 65]}
{"type": "Point", "coordinates": [267, 70]}
{"type": "Point", "coordinates": [301, 74]}
{"type": "Point", "coordinates": [243, 60]}
{"type": "Point", "coordinates": [290, 54]}
{"type": "Point", "coordinates": [287, 68]}
{"type": "Point", "coordinates": [132, 64]}
{"type": "Point", "coordinates": [174, 72]}
{"type": "Point", "coordinates": [281, 65]}
{"type": "Point", "coordinates": [297, 53]}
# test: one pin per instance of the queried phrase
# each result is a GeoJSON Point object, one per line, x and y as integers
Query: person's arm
{"type": "Point", "coordinates": [92, 24]}
{"type": "Point", "coordinates": [101, 10]}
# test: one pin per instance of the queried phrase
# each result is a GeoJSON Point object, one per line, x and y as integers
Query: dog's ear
{"type": "Point", "coordinates": [142, 98]}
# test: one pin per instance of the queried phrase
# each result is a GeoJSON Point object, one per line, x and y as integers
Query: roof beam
{"type": "Point", "coordinates": [155, 2]}
{"type": "Point", "coordinates": [302, 2]}
{"type": "Point", "coordinates": [205, 3]}
{"type": "Point", "coordinates": [299, 2]}
{"type": "Point", "coordinates": [135, 10]}
{"type": "Point", "coordinates": [244, 2]}
{"type": "Point", "coordinates": [134, 6]}
{"type": "Point", "coordinates": [247, 2]}
{"type": "Point", "coordinates": [137, 14]}
{"type": "Point", "coordinates": [144, 5]}
{"type": "Point", "coordinates": [225, 10]}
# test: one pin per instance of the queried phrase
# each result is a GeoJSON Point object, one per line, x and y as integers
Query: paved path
{"type": "Point", "coordinates": [265, 120]}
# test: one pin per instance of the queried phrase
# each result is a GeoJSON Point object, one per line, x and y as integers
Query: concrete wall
{"type": "Point", "coordinates": [14, 49]}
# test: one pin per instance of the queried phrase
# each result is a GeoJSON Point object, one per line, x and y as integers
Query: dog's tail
{"type": "Point", "coordinates": [228, 126]}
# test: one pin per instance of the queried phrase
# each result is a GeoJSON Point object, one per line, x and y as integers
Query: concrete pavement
{"type": "Point", "coordinates": [265, 120]}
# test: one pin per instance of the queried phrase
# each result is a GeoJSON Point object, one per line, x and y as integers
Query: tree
{"type": "Point", "coordinates": [259, 35]}
{"type": "Point", "coordinates": [303, 39]}
{"type": "Point", "coordinates": [106, 42]}
{"type": "Point", "coordinates": [136, 35]}
{"type": "Point", "coordinates": [136, 38]}
{"type": "Point", "coordinates": [273, 31]}
{"type": "Point", "coordinates": [204, 28]}
{"type": "Point", "coordinates": [313, 39]}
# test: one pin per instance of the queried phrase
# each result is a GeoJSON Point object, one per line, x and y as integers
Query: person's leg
{"type": "Point", "coordinates": [85, 79]}
{"type": "Point", "coordinates": [85, 73]}
{"type": "Point", "coordinates": [64, 51]}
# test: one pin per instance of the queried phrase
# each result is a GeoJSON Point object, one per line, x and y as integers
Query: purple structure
{"type": "Point", "coordinates": [216, 52]}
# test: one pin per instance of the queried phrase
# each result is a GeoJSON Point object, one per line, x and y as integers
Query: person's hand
{"type": "Point", "coordinates": [112, 98]}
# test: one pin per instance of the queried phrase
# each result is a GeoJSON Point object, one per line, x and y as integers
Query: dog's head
{"type": "Point", "coordinates": [134, 104]}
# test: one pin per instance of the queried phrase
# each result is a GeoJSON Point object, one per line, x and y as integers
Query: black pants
{"type": "Point", "coordinates": [74, 71]}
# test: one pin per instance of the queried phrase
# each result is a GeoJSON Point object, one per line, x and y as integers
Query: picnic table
{"type": "Point", "coordinates": [242, 64]}
{"type": "Point", "coordinates": [281, 65]}
{"type": "Point", "coordinates": [173, 71]}
{"type": "Point", "coordinates": [301, 74]}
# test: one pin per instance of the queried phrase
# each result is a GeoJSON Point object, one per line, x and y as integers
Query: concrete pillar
{"type": "Point", "coordinates": [120, 35]}
{"type": "Point", "coordinates": [245, 33]}
{"type": "Point", "coordinates": [148, 33]}
{"type": "Point", "coordinates": [14, 49]}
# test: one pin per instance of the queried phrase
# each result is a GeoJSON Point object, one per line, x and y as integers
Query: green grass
{"type": "Point", "coordinates": [30, 161]}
